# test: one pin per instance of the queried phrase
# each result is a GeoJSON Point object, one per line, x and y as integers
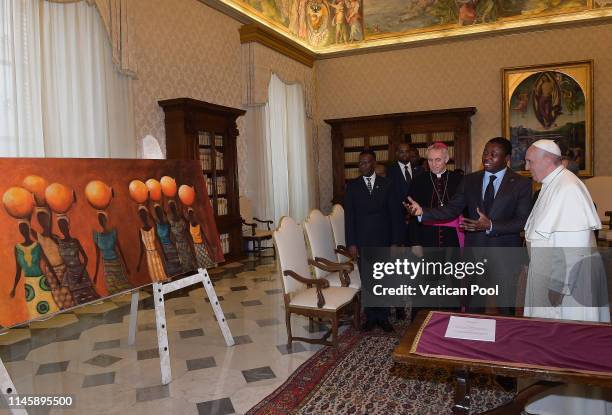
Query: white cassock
{"type": "Point", "coordinates": [563, 258]}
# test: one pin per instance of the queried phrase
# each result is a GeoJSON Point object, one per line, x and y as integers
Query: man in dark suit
{"type": "Point", "coordinates": [371, 217]}
{"type": "Point", "coordinates": [401, 175]}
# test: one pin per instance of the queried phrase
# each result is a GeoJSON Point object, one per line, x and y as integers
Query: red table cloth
{"type": "Point", "coordinates": [523, 342]}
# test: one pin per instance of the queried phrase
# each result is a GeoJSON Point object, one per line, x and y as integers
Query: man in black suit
{"type": "Point", "coordinates": [371, 217]}
{"type": "Point", "coordinates": [402, 174]}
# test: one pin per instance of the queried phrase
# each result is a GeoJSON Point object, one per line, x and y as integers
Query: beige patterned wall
{"type": "Point", "coordinates": [459, 74]}
{"type": "Point", "coordinates": [184, 49]}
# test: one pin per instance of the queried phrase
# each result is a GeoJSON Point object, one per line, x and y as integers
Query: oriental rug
{"type": "Point", "coordinates": [361, 378]}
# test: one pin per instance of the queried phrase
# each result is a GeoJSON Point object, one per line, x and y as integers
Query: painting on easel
{"type": "Point", "coordinates": [79, 230]}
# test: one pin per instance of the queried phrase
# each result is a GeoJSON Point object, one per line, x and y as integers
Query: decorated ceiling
{"type": "Point", "coordinates": [336, 25]}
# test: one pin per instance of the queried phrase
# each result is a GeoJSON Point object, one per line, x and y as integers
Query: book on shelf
{"type": "Point", "coordinates": [221, 206]}
{"type": "Point", "coordinates": [219, 161]}
{"type": "Point", "coordinates": [379, 140]}
{"type": "Point", "coordinates": [354, 142]}
{"type": "Point", "coordinates": [351, 173]}
{"type": "Point", "coordinates": [203, 138]}
{"type": "Point", "coordinates": [351, 157]}
{"type": "Point", "coordinates": [443, 136]}
{"type": "Point", "coordinates": [225, 246]}
{"type": "Point", "coordinates": [205, 158]}
{"type": "Point", "coordinates": [220, 185]}
{"type": "Point", "coordinates": [218, 141]}
{"type": "Point", "coordinates": [382, 155]}
{"type": "Point", "coordinates": [418, 138]}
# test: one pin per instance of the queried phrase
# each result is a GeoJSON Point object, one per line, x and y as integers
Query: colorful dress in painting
{"type": "Point", "coordinates": [76, 277]}
{"type": "Point", "coordinates": [115, 278]}
{"type": "Point", "coordinates": [39, 299]}
{"type": "Point", "coordinates": [202, 255]}
{"type": "Point", "coordinates": [62, 295]}
{"type": "Point", "coordinates": [154, 261]}
{"type": "Point", "coordinates": [173, 264]}
{"type": "Point", "coordinates": [185, 254]}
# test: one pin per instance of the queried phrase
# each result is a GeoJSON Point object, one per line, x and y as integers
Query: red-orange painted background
{"type": "Point", "coordinates": [122, 214]}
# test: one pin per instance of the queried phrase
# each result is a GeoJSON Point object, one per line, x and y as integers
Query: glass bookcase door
{"type": "Point", "coordinates": [421, 141]}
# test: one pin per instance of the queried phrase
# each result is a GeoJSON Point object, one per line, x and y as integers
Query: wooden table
{"type": "Point", "coordinates": [462, 369]}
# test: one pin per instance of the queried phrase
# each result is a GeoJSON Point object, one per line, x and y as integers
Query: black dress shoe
{"type": "Point", "coordinates": [400, 314]}
{"type": "Point", "coordinates": [368, 326]}
{"type": "Point", "coordinates": [386, 326]}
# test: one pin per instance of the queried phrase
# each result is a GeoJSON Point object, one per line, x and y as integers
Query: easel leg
{"type": "Point", "coordinates": [462, 392]}
{"type": "Point", "coordinates": [162, 333]}
{"type": "Point", "coordinates": [8, 388]}
{"type": "Point", "coordinates": [133, 319]}
{"type": "Point", "coordinates": [214, 302]}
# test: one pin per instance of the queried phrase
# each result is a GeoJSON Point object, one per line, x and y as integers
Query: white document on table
{"type": "Point", "coordinates": [467, 328]}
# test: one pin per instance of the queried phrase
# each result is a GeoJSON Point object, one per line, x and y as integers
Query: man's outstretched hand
{"type": "Point", "coordinates": [483, 223]}
{"type": "Point", "coordinates": [413, 207]}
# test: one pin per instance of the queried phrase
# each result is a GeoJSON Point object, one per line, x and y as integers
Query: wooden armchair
{"type": "Point", "coordinates": [336, 218]}
{"type": "Point", "coordinates": [306, 296]}
{"type": "Point", "coordinates": [251, 231]}
{"type": "Point", "coordinates": [599, 188]}
{"type": "Point", "coordinates": [322, 247]}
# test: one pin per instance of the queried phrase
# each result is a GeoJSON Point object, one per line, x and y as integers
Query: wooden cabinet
{"type": "Point", "coordinates": [383, 133]}
{"type": "Point", "coordinates": [198, 130]}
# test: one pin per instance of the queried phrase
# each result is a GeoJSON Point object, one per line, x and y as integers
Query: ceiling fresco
{"type": "Point", "coordinates": [335, 25]}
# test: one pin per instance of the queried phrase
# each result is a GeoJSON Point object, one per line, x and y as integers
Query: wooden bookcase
{"type": "Point", "coordinates": [198, 130]}
{"type": "Point", "coordinates": [383, 133]}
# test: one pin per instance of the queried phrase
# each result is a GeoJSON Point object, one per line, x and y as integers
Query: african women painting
{"type": "Point", "coordinates": [48, 242]}
{"type": "Point", "coordinates": [200, 242]}
{"type": "Point", "coordinates": [178, 227]}
{"type": "Point", "coordinates": [99, 196]}
{"type": "Point", "coordinates": [77, 231]}
{"type": "Point", "coordinates": [60, 199]}
{"type": "Point", "coordinates": [173, 265]}
{"type": "Point", "coordinates": [148, 240]}
{"type": "Point", "coordinates": [19, 203]}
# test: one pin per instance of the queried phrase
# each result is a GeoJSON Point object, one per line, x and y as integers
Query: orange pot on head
{"type": "Point", "coordinates": [168, 185]}
{"type": "Point", "coordinates": [98, 194]}
{"type": "Point", "coordinates": [59, 197]}
{"type": "Point", "coordinates": [36, 185]}
{"type": "Point", "coordinates": [186, 194]}
{"type": "Point", "coordinates": [18, 202]}
{"type": "Point", "coordinates": [138, 191]}
{"type": "Point", "coordinates": [155, 189]}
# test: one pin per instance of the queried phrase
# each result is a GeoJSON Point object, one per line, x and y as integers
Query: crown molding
{"type": "Point", "coordinates": [254, 32]}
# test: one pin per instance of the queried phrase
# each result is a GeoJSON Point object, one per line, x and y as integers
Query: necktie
{"type": "Point", "coordinates": [489, 195]}
{"type": "Point", "coordinates": [369, 184]}
{"type": "Point", "coordinates": [407, 173]}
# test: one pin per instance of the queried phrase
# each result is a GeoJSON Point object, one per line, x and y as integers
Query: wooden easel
{"type": "Point", "coordinates": [159, 290]}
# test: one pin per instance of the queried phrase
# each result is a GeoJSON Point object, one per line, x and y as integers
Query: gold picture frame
{"type": "Point", "coordinates": [553, 101]}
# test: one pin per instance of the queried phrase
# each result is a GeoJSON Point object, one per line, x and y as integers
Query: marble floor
{"type": "Point", "coordinates": [85, 353]}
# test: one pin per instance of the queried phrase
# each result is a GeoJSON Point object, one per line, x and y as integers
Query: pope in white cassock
{"type": "Point", "coordinates": [566, 279]}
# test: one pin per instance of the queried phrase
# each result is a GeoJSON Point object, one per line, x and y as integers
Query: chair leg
{"type": "Point", "coordinates": [288, 323]}
{"type": "Point", "coordinates": [335, 331]}
{"type": "Point", "coordinates": [356, 312]}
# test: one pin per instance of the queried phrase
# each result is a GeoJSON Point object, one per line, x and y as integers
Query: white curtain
{"type": "Point", "coordinates": [288, 157]}
{"type": "Point", "coordinates": [21, 131]}
{"type": "Point", "coordinates": [69, 93]}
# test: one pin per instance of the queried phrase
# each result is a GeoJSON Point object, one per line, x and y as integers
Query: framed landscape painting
{"type": "Point", "coordinates": [553, 102]}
